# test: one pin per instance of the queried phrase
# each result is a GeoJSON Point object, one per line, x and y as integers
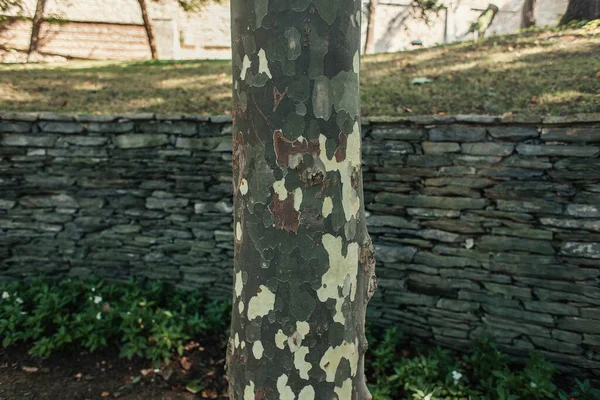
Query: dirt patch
{"type": "Point", "coordinates": [103, 375]}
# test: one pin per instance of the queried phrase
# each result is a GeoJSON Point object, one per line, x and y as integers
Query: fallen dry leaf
{"type": "Point", "coordinates": [105, 394]}
{"type": "Point", "coordinates": [185, 363]}
{"type": "Point", "coordinates": [598, 74]}
{"type": "Point", "coordinates": [30, 369]}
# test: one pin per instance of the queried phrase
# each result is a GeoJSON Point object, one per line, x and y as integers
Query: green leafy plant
{"type": "Point", "coordinates": [144, 319]}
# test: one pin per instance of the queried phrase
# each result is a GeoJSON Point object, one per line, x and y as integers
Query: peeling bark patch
{"type": "Point", "coordinates": [285, 392]}
{"type": "Point", "coordinates": [356, 62]}
{"type": "Point", "coordinates": [341, 269]}
{"type": "Point", "coordinates": [263, 64]}
{"type": "Point", "coordinates": [238, 231]}
{"type": "Point", "coordinates": [241, 307]}
{"type": "Point", "coordinates": [327, 207]}
{"type": "Point", "coordinates": [261, 304]}
{"type": "Point", "coordinates": [333, 356]}
{"type": "Point", "coordinates": [249, 391]}
{"type": "Point", "coordinates": [257, 349]}
{"type": "Point", "coordinates": [245, 66]}
{"type": "Point", "coordinates": [239, 284]}
{"type": "Point", "coordinates": [344, 392]}
{"type": "Point", "coordinates": [287, 151]}
{"type": "Point", "coordinates": [261, 8]}
{"type": "Point", "coordinates": [280, 339]}
{"type": "Point", "coordinates": [297, 198]}
{"type": "Point", "coordinates": [347, 169]}
{"type": "Point", "coordinates": [340, 152]}
{"type": "Point", "coordinates": [286, 216]}
{"type": "Point", "coordinates": [301, 365]}
{"type": "Point", "coordinates": [280, 190]}
{"type": "Point", "coordinates": [307, 393]}
{"type": "Point", "coordinates": [244, 187]}
{"type": "Point", "coordinates": [322, 98]}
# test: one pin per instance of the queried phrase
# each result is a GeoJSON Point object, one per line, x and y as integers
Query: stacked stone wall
{"type": "Point", "coordinates": [482, 225]}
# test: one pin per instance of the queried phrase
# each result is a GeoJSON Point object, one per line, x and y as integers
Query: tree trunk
{"type": "Point", "coordinates": [38, 18]}
{"type": "Point", "coordinates": [370, 37]}
{"type": "Point", "coordinates": [528, 14]}
{"type": "Point", "coordinates": [149, 29]}
{"type": "Point", "coordinates": [303, 264]}
{"type": "Point", "coordinates": [581, 10]}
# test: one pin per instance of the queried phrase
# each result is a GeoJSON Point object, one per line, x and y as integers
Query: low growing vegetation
{"type": "Point", "coordinates": [155, 321]}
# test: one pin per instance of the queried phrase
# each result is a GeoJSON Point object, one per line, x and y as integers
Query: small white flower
{"type": "Point", "coordinates": [97, 299]}
{"type": "Point", "coordinates": [19, 300]}
{"type": "Point", "coordinates": [93, 289]}
{"type": "Point", "coordinates": [428, 397]}
{"type": "Point", "coordinates": [532, 384]}
{"type": "Point", "coordinates": [456, 376]}
{"type": "Point", "coordinates": [99, 316]}
{"type": "Point", "coordinates": [5, 295]}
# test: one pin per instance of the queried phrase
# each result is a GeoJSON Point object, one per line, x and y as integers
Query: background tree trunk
{"type": "Point", "coordinates": [38, 18]}
{"type": "Point", "coordinates": [581, 10]}
{"type": "Point", "coordinates": [370, 36]}
{"type": "Point", "coordinates": [528, 14]}
{"type": "Point", "coordinates": [149, 29]}
{"type": "Point", "coordinates": [303, 265]}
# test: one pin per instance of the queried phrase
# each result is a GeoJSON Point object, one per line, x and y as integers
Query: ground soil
{"type": "Point", "coordinates": [103, 375]}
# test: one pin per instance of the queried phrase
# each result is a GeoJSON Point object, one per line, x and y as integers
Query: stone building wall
{"type": "Point", "coordinates": [482, 225]}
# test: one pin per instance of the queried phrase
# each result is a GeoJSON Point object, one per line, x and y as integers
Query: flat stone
{"type": "Point", "coordinates": [173, 127]}
{"type": "Point", "coordinates": [7, 204]}
{"type": "Point", "coordinates": [452, 203]}
{"type": "Point", "coordinates": [581, 288]}
{"type": "Point", "coordinates": [466, 182]}
{"type": "Point", "coordinates": [576, 324]}
{"type": "Point", "coordinates": [40, 140]}
{"type": "Point", "coordinates": [61, 127]}
{"type": "Point", "coordinates": [591, 313]}
{"type": "Point", "coordinates": [207, 143]}
{"type": "Point", "coordinates": [220, 119]}
{"type": "Point", "coordinates": [545, 271]}
{"type": "Point", "coordinates": [440, 147]}
{"type": "Point", "coordinates": [19, 116]}
{"type": "Point", "coordinates": [566, 336]}
{"type": "Point", "coordinates": [528, 162]}
{"type": "Point", "coordinates": [513, 132]}
{"type": "Point", "coordinates": [457, 305]}
{"type": "Point", "coordinates": [557, 295]}
{"type": "Point", "coordinates": [432, 213]}
{"type": "Point", "coordinates": [15, 127]}
{"type": "Point", "coordinates": [508, 291]}
{"type": "Point", "coordinates": [96, 117]}
{"type": "Point", "coordinates": [487, 149]}
{"type": "Point", "coordinates": [60, 200]}
{"type": "Point", "coordinates": [123, 126]}
{"type": "Point", "coordinates": [438, 235]}
{"type": "Point", "coordinates": [476, 161]}
{"type": "Point", "coordinates": [583, 210]}
{"type": "Point", "coordinates": [551, 308]}
{"type": "Point", "coordinates": [52, 116]}
{"type": "Point", "coordinates": [571, 134]}
{"type": "Point", "coordinates": [516, 326]}
{"type": "Point", "coordinates": [502, 171]}
{"type": "Point", "coordinates": [544, 207]}
{"type": "Point", "coordinates": [137, 140]}
{"type": "Point", "coordinates": [397, 133]}
{"type": "Point", "coordinates": [85, 140]}
{"type": "Point", "coordinates": [556, 346]}
{"type": "Point", "coordinates": [542, 319]}
{"type": "Point", "coordinates": [456, 133]}
{"type": "Point", "coordinates": [444, 261]}
{"type": "Point", "coordinates": [473, 274]}
{"type": "Point", "coordinates": [524, 233]}
{"type": "Point", "coordinates": [391, 221]}
{"type": "Point", "coordinates": [390, 254]}
{"type": "Point", "coordinates": [557, 150]}
{"type": "Point", "coordinates": [478, 119]}
{"type": "Point", "coordinates": [581, 249]}
{"type": "Point", "coordinates": [594, 340]}
{"type": "Point", "coordinates": [428, 161]}
{"type": "Point", "coordinates": [165, 203]}
{"type": "Point", "coordinates": [503, 243]}
{"type": "Point", "coordinates": [411, 299]}
{"type": "Point", "coordinates": [590, 225]}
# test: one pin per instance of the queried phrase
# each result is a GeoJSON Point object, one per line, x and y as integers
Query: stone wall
{"type": "Point", "coordinates": [482, 225]}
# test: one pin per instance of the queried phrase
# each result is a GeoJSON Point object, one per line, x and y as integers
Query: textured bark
{"type": "Point", "coordinates": [38, 18]}
{"type": "Point", "coordinates": [304, 265]}
{"type": "Point", "coordinates": [149, 29]}
{"type": "Point", "coordinates": [581, 10]}
{"type": "Point", "coordinates": [370, 37]}
{"type": "Point", "coordinates": [528, 14]}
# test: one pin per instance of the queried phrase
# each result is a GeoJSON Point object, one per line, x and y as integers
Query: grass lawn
{"type": "Point", "coordinates": [548, 72]}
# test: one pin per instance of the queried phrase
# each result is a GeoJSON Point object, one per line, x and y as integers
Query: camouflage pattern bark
{"type": "Point", "coordinates": [304, 266]}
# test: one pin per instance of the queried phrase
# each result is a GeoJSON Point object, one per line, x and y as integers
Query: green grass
{"type": "Point", "coordinates": [542, 72]}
